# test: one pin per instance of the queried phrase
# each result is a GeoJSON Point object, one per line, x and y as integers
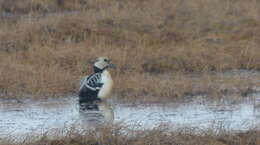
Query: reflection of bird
{"type": "Point", "coordinates": [96, 114]}
{"type": "Point", "coordinates": [98, 85]}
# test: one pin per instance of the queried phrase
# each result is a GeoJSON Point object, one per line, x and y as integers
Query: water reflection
{"type": "Point", "coordinates": [95, 115]}
{"type": "Point", "coordinates": [44, 115]}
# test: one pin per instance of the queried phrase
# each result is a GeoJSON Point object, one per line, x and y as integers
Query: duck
{"type": "Point", "coordinates": [98, 85]}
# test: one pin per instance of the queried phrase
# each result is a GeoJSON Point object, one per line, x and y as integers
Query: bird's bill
{"type": "Point", "coordinates": [112, 65]}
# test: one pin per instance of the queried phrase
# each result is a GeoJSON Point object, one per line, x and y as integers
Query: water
{"type": "Point", "coordinates": [26, 116]}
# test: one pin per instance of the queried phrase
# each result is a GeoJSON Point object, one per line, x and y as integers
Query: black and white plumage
{"type": "Point", "coordinates": [92, 82]}
{"type": "Point", "coordinates": [98, 85]}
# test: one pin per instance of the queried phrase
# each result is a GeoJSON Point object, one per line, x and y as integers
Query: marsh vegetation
{"type": "Point", "coordinates": [116, 135]}
{"type": "Point", "coordinates": [46, 46]}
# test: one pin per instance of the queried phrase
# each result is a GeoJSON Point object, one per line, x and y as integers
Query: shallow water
{"type": "Point", "coordinates": [25, 116]}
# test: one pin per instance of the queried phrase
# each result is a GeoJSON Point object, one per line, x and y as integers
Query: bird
{"type": "Point", "coordinates": [98, 85]}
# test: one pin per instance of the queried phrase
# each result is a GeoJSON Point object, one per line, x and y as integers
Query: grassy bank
{"type": "Point", "coordinates": [116, 135]}
{"type": "Point", "coordinates": [46, 46]}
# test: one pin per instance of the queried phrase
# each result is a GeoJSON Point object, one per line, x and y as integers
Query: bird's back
{"type": "Point", "coordinates": [96, 86]}
{"type": "Point", "coordinates": [92, 81]}
{"type": "Point", "coordinates": [89, 88]}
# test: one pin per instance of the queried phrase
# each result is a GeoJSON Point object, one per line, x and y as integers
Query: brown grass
{"type": "Point", "coordinates": [46, 45]}
{"type": "Point", "coordinates": [159, 88]}
{"type": "Point", "coordinates": [117, 135]}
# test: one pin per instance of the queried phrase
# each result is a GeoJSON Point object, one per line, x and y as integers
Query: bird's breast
{"type": "Point", "coordinates": [106, 89]}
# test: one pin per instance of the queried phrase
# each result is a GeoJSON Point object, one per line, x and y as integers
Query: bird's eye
{"type": "Point", "coordinates": [106, 60]}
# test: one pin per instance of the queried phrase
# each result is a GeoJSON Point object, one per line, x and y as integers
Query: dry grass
{"type": "Point", "coordinates": [117, 135]}
{"type": "Point", "coordinates": [156, 88]}
{"type": "Point", "coordinates": [46, 45]}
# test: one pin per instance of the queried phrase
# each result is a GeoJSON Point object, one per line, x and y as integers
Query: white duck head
{"type": "Point", "coordinates": [103, 63]}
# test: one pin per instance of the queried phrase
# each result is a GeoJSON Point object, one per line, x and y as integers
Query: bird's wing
{"type": "Point", "coordinates": [82, 82]}
{"type": "Point", "coordinates": [92, 82]}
